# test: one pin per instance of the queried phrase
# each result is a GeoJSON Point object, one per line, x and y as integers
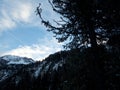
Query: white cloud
{"type": "Point", "coordinates": [16, 13]}
{"type": "Point", "coordinates": [6, 21]}
{"type": "Point", "coordinates": [36, 51]}
{"type": "Point", "coordinates": [22, 12]}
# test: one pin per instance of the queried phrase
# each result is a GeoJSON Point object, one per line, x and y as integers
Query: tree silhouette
{"type": "Point", "coordinates": [86, 22]}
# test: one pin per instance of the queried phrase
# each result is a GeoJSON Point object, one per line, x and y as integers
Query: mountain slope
{"type": "Point", "coordinates": [65, 70]}
{"type": "Point", "coordinates": [33, 73]}
{"type": "Point", "coordinates": [9, 65]}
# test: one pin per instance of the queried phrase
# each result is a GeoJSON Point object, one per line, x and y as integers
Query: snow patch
{"type": "Point", "coordinates": [47, 67]}
{"type": "Point", "coordinates": [59, 64]}
{"type": "Point", "coordinates": [22, 61]}
{"type": "Point", "coordinates": [17, 80]}
{"type": "Point", "coordinates": [56, 66]}
{"type": "Point", "coordinates": [11, 59]}
{"type": "Point", "coordinates": [6, 74]}
{"type": "Point", "coordinates": [37, 72]}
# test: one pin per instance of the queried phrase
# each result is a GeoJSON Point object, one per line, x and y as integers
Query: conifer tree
{"type": "Point", "coordinates": [86, 22]}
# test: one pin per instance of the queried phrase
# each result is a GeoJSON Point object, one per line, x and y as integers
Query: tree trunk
{"type": "Point", "coordinates": [95, 77]}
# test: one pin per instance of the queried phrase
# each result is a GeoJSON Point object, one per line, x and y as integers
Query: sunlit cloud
{"type": "Point", "coordinates": [36, 51]}
{"type": "Point", "coordinates": [22, 12]}
{"type": "Point", "coordinates": [15, 13]}
{"type": "Point", "coordinates": [6, 21]}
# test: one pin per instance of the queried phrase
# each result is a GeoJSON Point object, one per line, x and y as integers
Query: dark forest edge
{"type": "Point", "coordinates": [67, 70]}
{"type": "Point", "coordinates": [84, 23]}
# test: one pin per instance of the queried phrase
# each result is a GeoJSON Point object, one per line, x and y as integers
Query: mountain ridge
{"type": "Point", "coordinates": [65, 70]}
{"type": "Point", "coordinates": [12, 59]}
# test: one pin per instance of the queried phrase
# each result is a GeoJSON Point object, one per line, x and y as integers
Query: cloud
{"type": "Point", "coordinates": [16, 13]}
{"type": "Point", "coordinates": [22, 12]}
{"type": "Point", "coordinates": [6, 21]}
{"type": "Point", "coordinates": [36, 51]}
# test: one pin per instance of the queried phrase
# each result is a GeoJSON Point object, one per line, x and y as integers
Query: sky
{"type": "Point", "coordinates": [21, 31]}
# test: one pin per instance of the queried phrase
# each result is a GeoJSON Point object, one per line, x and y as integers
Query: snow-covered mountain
{"type": "Point", "coordinates": [15, 74]}
{"type": "Point", "coordinates": [10, 65]}
{"type": "Point", "coordinates": [11, 59]}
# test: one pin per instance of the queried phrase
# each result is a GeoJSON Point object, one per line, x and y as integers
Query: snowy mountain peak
{"type": "Point", "coordinates": [11, 59]}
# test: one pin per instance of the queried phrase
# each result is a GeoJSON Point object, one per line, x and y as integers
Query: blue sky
{"type": "Point", "coordinates": [21, 32]}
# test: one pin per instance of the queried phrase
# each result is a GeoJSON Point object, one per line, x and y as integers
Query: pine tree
{"type": "Point", "coordinates": [86, 22]}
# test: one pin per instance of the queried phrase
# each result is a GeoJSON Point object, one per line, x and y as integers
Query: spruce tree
{"type": "Point", "coordinates": [86, 22]}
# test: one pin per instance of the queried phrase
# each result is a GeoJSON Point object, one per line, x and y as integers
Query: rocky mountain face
{"type": "Point", "coordinates": [20, 73]}
{"type": "Point", "coordinates": [10, 59]}
{"type": "Point", "coordinates": [9, 65]}
{"type": "Point", "coordinates": [65, 70]}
